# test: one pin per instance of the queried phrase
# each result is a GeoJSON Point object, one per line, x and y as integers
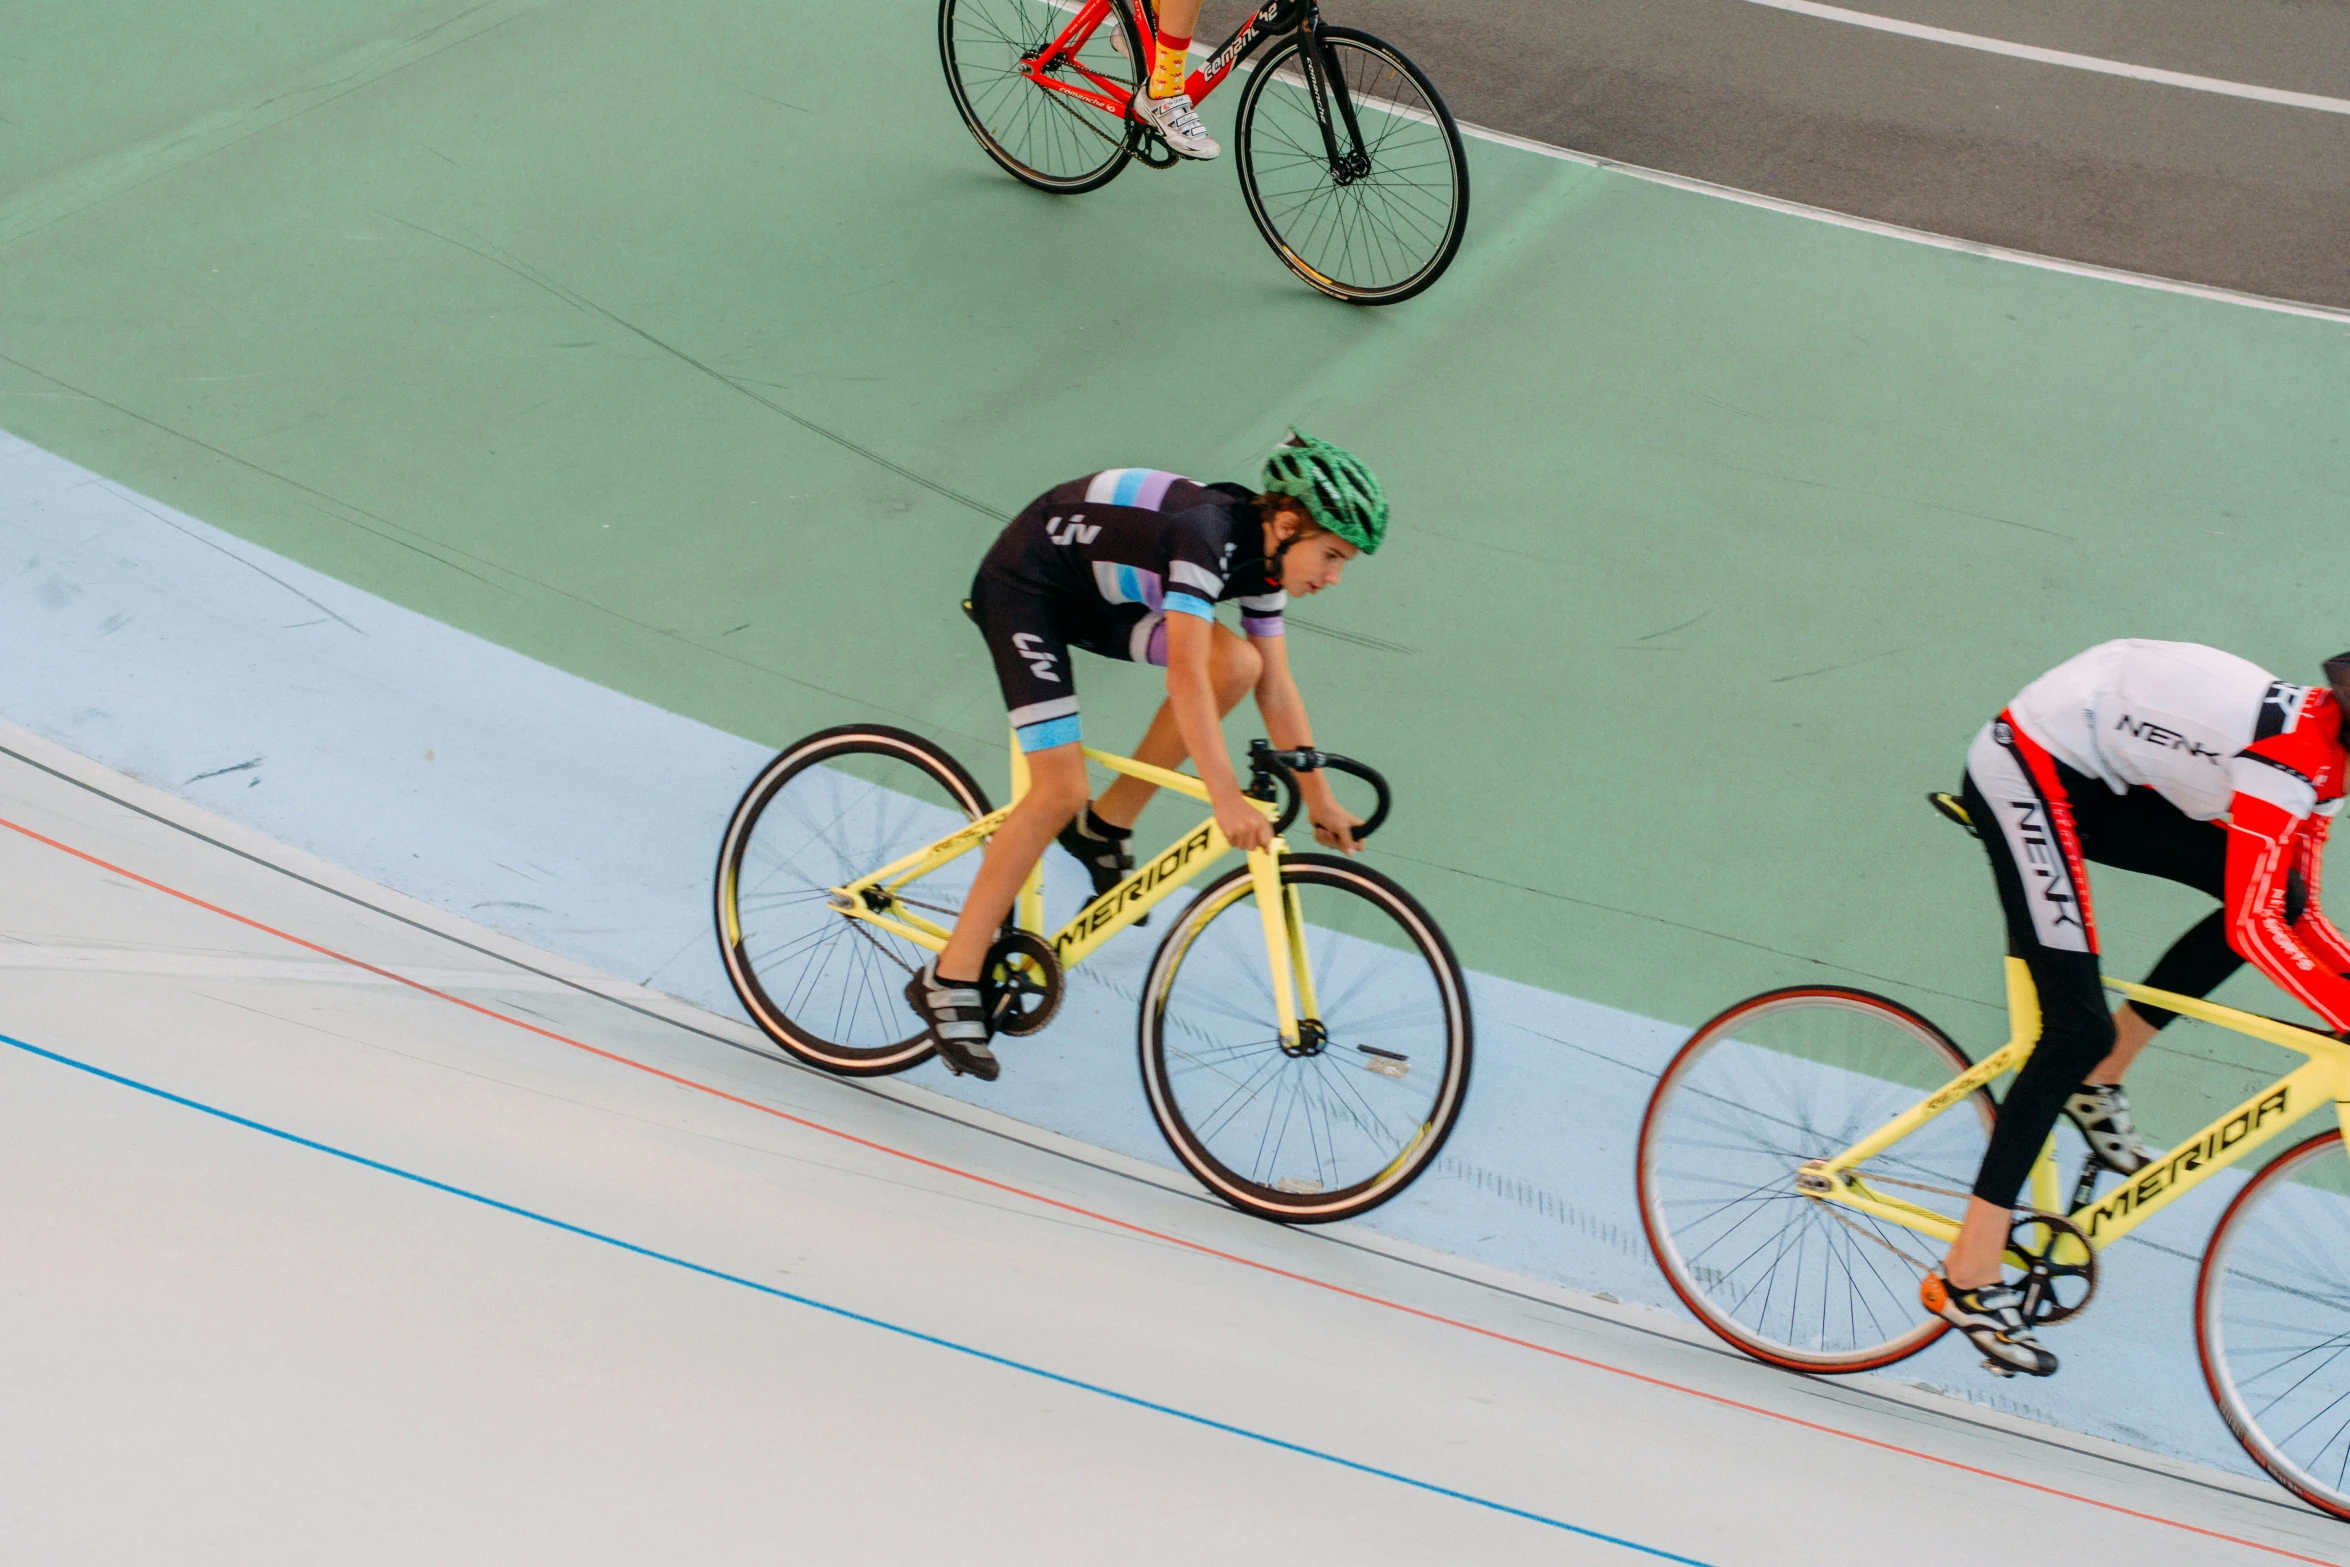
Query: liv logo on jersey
{"type": "Point", "coordinates": [1074, 531]}
{"type": "Point", "coordinates": [1040, 658]}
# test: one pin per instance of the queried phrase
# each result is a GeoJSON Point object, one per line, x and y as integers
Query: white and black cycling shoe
{"type": "Point", "coordinates": [1177, 123]}
{"type": "Point", "coordinates": [1993, 1317]}
{"type": "Point", "coordinates": [956, 1016]}
{"type": "Point", "coordinates": [2102, 1113]}
{"type": "Point", "coordinates": [1106, 852]}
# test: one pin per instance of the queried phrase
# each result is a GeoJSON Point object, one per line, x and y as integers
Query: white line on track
{"type": "Point", "coordinates": [1797, 209]}
{"type": "Point", "coordinates": [2077, 62]}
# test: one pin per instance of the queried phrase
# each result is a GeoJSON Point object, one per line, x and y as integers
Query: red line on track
{"type": "Point", "coordinates": [1198, 1247]}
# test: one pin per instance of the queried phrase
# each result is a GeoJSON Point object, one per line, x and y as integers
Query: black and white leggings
{"type": "Point", "coordinates": [2041, 822]}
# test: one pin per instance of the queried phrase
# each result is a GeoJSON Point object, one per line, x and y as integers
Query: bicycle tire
{"type": "Point", "coordinates": [1042, 139]}
{"type": "Point", "coordinates": [859, 797]}
{"type": "Point", "coordinates": [2271, 1301]}
{"type": "Point", "coordinates": [1824, 1066]}
{"type": "Point", "coordinates": [1322, 226]}
{"type": "Point", "coordinates": [1207, 1008]}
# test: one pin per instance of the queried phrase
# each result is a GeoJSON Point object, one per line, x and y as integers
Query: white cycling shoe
{"type": "Point", "coordinates": [2102, 1113]}
{"type": "Point", "coordinates": [1992, 1316]}
{"type": "Point", "coordinates": [1177, 123]}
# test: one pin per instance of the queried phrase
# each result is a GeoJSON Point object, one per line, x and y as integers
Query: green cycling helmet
{"type": "Point", "coordinates": [1333, 486]}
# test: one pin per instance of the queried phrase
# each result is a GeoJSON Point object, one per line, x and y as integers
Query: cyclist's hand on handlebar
{"type": "Point", "coordinates": [1244, 826]}
{"type": "Point", "coordinates": [1334, 828]}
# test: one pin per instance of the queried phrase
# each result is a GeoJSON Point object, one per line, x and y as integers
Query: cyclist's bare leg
{"type": "Point", "coordinates": [1234, 667]}
{"type": "Point", "coordinates": [1982, 1240]}
{"type": "Point", "coordinates": [1177, 19]}
{"type": "Point", "coordinates": [1056, 792]}
{"type": "Point", "coordinates": [2131, 1034]}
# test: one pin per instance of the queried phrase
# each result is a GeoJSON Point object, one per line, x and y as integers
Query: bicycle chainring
{"type": "Point", "coordinates": [2060, 1274]}
{"type": "Point", "coordinates": [1152, 152]}
{"type": "Point", "coordinates": [1021, 985]}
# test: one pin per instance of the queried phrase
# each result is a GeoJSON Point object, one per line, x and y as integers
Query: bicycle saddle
{"type": "Point", "coordinates": [1949, 805]}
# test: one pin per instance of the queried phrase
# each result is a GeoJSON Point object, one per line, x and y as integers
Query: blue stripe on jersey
{"type": "Point", "coordinates": [1190, 604]}
{"type": "Point", "coordinates": [1143, 488]}
{"type": "Point", "coordinates": [1052, 732]}
{"type": "Point", "coordinates": [1122, 584]}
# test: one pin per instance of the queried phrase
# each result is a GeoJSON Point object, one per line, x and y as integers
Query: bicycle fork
{"type": "Point", "coordinates": [1295, 1008]}
{"type": "Point", "coordinates": [1326, 85]}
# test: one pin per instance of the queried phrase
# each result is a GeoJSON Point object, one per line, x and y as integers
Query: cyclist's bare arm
{"type": "Point", "coordinates": [1191, 692]}
{"type": "Point", "coordinates": [1286, 725]}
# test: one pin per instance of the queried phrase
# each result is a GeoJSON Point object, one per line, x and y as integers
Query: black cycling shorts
{"type": "Point", "coordinates": [1029, 635]}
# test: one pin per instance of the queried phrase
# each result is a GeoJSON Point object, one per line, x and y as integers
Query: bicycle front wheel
{"type": "Point", "coordinates": [1384, 220]}
{"type": "Point", "coordinates": [1347, 1117]}
{"type": "Point", "coordinates": [1052, 140]}
{"type": "Point", "coordinates": [1778, 1080]}
{"type": "Point", "coordinates": [835, 807]}
{"type": "Point", "coordinates": [2272, 1320]}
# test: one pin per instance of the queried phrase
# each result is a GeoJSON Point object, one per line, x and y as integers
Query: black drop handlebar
{"type": "Point", "coordinates": [1265, 765]}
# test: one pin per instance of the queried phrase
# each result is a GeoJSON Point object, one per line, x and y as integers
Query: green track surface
{"type": "Point", "coordinates": [696, 349]}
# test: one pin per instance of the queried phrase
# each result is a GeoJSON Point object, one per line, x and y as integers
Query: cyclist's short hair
{"type": "Point", "coordinates": [2338, 674]}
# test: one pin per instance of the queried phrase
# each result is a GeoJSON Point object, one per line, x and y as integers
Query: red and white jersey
{"type": "Point", "coordinates": [2217, 735]}
{"type": "Point", "coordinates": [2194, 724]}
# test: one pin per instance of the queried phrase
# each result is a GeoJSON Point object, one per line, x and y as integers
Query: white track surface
{"type": "Point", "coordinates": [222, 1345]}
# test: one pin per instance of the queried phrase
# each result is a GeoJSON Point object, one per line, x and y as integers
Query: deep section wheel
{"type": "Point", "coordinates": [1776, 1081]}
{"type": "Point", "coordinates": [1043, 138]}
{"type": "Point", "coordinates": [834, 808]}
{"type": "Point", "coordinates": [1344, 1119]}
{"type": "Point", "coordinates": [1384, 220]}
{"type": "Point", "coordinates": [2272, 1320]}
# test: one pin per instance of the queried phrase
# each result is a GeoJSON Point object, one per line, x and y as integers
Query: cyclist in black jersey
{"type": "Point", "coordinates": [1130, 564]}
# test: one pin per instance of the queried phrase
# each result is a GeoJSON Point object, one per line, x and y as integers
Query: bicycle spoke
{"type": "Point", "coordinates": [1386, 222]}
{"type": "Point", "coordinates": [826, 985]}
{"type": "Point", "coordinates": [1318, 1116]}
{"type": "Point", "coordinates": [1042, 134]}
{"type": "Point", "coordinates": [1751, 1099]}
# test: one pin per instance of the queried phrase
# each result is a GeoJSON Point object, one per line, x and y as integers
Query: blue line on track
{"type": "Point", "coordinates": [842, 1311]}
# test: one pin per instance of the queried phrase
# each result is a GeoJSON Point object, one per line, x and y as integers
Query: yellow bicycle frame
{"type": "Point", "coordinates": [873, 898]}
{"type": "Point", "coordinates": [2323, 1079]}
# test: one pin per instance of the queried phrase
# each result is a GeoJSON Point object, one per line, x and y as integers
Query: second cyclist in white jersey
{"type": "Point", "coordinates": [2172, 760]}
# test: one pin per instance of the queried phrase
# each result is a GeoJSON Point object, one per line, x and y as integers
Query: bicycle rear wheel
{"type": "Point", "coordinates": [1374, 230]}
{"type": "Point", "coordinates": [2272, 1320]}
{"type": "Point", "coordinates": [1361, 1106]}
{"type": "Point", "coordinates": [839, 805]}
{"type": "Point", "coordinates": [1786, 1077]}
{"type": "Point", "coordinates": [1043, 138]}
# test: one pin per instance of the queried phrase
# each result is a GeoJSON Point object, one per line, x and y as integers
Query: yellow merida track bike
{"type": "Point", "coordinates": [1304, 1025]}
{"type": "Point", "coordinates": [1807, 1155]}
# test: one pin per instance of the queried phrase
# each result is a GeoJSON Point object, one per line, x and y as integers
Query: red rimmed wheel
{"type": "Point", "coordinates": [1773, 1083]}
{"type": "Point", "coordinates": [2272, 1320]}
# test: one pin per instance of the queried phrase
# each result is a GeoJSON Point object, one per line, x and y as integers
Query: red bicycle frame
{"type": "Point", "coordinates": [1047, 69]}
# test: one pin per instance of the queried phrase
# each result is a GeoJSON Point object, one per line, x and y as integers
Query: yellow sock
{"type": "Point", "coordinates": [1167, 71]}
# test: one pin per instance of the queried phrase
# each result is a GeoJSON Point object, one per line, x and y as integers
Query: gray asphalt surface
{"type": "Point", "coordinates": [2061, 162]}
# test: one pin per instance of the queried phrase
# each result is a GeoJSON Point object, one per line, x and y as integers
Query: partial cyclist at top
{"type": "Point", "coordinates": [2173, 760]}
{"type": "Point", "coordinates": [1348, 158]}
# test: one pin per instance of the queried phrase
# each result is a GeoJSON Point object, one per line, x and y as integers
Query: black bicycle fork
{"type": "Point", "coordinates": [1325, 82]}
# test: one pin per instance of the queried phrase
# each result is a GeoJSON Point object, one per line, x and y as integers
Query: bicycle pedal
{"type": "Point", "coordinates": [1998, 1368]}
